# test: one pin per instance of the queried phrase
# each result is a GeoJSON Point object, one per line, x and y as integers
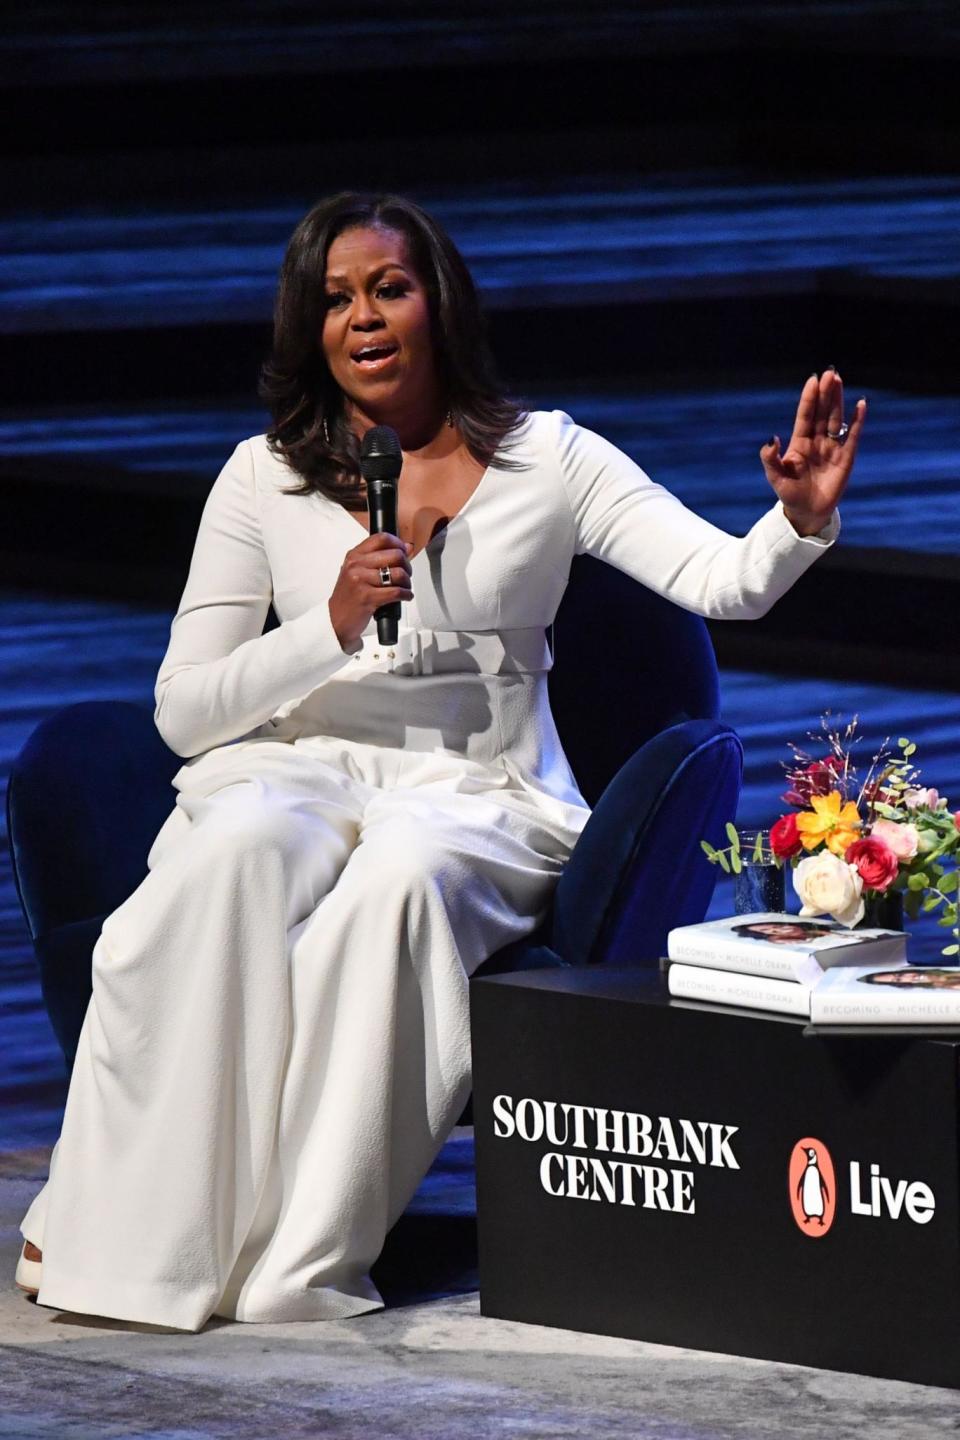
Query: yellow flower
{"type": "Point", "coordinates": [838, 825]}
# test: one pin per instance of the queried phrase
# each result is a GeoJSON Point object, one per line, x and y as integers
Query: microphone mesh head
{"type": "Point", "coordinates": [380, 455]}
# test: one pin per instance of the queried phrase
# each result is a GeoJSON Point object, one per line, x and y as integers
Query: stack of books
{"type": "Point", "coordinates": [779, 962]}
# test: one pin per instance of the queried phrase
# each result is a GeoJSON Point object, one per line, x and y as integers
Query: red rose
{"type": "Point", "coordinates": [875, 861]}
{"type": "Point", "coordinates": [785, 838]}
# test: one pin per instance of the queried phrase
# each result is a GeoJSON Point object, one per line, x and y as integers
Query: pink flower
{"type": "Point", "coordinates": [956, 818]}
{"type": "Point", "coordinates": [913, 799]}
{"type": "Point", "coordinates": [903, 840]}
{"type": "Point", "coordinates": [876, 862]}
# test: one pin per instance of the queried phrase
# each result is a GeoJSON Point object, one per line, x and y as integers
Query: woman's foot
{"type": "Point", "coordinates": [28, 1269]}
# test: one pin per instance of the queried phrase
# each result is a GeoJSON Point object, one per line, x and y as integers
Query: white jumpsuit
{"type": "Point", "coordinates": [277, 1043]}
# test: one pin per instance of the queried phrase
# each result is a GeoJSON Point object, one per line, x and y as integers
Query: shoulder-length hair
{"type": "Point", "coordinates": [310, 430]}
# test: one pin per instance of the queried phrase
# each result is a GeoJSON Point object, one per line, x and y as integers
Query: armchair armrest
{"type": "Point", "coordinates": [87, 795]}
{"type": "Point", "coordinates": [638, 869]}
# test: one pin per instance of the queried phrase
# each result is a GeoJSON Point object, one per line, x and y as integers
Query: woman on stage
{"type": "Point", "coordinates": [277, 1043]}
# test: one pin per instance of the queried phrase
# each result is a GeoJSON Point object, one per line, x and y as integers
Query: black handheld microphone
{"type": "Point", "coordinates": [381, 461]}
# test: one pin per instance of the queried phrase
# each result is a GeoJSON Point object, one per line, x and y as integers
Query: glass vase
{"type": "Point", "coordinates": [759, 886]}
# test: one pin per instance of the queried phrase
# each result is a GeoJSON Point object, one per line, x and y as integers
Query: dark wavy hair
{"type": "Point", "coordinates": [310, 430]}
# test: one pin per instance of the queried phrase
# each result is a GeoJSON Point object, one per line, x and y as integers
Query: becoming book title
{"type": "Point", "coordinates": [648, 1143]}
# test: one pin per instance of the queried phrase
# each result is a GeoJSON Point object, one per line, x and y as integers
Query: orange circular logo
{"type": "Point", "coordinates": [813, 1187]}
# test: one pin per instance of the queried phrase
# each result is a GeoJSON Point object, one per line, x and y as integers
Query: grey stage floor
{"type": "Point", "coordinates": [437, 1368]}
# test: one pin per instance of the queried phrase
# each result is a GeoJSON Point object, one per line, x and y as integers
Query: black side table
{"type": "Point", "coordinates": [715, 1178]}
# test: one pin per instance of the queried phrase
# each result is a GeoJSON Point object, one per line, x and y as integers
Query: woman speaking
{"type": "Point", "coordinates": [277, 1042]}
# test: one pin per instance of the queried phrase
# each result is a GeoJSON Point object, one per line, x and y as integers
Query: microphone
{"type": "Point", "coordinates": [381, 461]}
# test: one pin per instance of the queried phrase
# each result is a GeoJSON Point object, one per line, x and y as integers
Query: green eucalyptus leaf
{"type": "Point", "coordinates": [735, 862]}
{"type": "Point", "coordinates": [723, 862]}
{"type": "Point", "coordinates": [732, 835]}
{"type": "Point", "coordinates": [949, 882]}
{"type": "Point", "coordinates": [919, 881]}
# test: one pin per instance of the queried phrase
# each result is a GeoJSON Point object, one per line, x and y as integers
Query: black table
{"type": "Point", "coordinates": [642, 1171]}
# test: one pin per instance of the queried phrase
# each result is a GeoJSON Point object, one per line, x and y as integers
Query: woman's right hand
{"type": "Point", "coordinates": [359, 590]}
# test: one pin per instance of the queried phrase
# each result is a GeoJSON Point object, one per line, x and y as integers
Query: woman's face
{"type": "Point", "coordinates": [783, 933]}
{"type": "Point", "coordinates": [377, 303]}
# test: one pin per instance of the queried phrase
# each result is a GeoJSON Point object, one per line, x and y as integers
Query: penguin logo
{"type": "Point", "coordinates": [813, 1187]}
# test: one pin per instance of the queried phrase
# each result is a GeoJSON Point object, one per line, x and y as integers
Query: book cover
{"type": "Point", "coordinates": [897, 995]}
{"type": "Point", "coordinates": [729, 987]}
{"type": "Point", "coordinates": [783, 947]}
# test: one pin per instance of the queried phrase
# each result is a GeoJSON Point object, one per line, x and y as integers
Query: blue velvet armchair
{"type": "Point", "coordinates": [635, 693]}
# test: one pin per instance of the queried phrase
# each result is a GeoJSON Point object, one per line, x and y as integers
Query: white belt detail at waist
{"type": "Point", "coordinates": [459, 652]}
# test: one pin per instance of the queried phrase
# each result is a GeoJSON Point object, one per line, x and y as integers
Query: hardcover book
{"type": "Point", "coordinates": [783, 947]}
{"type": "Point", "coordinates": [729, 987]}
{"type": "Point", "coordinates": [899, 995]}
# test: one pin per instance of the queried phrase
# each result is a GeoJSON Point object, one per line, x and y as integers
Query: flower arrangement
{"type": "Point", "coordinates": [852, 840]}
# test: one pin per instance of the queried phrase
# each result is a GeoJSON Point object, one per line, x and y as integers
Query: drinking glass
{"type": "Point", "coordinates": [759, 885]}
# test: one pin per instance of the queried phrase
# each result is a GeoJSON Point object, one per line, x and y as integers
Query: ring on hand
{"type": "Point", "coordinates": [384, 575]}
{"type": "Point", "coordinates": [840, 434]}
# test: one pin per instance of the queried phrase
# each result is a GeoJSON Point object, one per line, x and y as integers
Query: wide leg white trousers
{"type": "Point", "coordinates": [277, 1044]}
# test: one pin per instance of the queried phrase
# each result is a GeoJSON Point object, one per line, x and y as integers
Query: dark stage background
{"type": "Point", "coordinates": [675, 213]}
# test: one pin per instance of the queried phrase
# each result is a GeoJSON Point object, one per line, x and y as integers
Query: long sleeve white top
{"type": "Point", "coordinates": [484, 588]}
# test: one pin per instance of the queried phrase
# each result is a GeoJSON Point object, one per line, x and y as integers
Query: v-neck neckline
{"type": "Point", "coordinates": [451, 521]}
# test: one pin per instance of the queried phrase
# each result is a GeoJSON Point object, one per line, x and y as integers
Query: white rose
{"type": "Point", "coordinates": [827, 885]}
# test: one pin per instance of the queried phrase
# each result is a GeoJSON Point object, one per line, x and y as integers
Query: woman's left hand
{"type": "Point", "coordinates": [812, 473]}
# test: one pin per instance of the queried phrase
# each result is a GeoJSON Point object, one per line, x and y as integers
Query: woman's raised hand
{"type": "Point", "coordinates": [812, 473]}
{"type": "Point", "coordinates": [360, 588]}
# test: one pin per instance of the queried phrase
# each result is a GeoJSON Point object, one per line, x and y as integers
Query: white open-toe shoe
{"type": "Point", "coordinates": [28, 1269]}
